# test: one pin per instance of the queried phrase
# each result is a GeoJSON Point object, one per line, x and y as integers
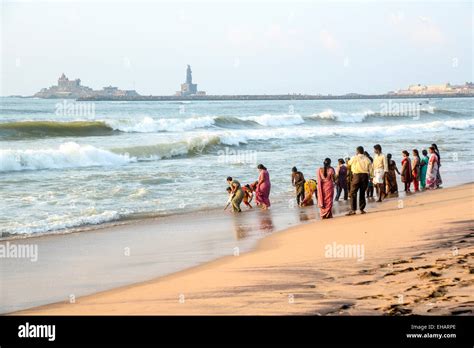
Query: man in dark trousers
{"type": "Point", "coordinates": [361, 168]}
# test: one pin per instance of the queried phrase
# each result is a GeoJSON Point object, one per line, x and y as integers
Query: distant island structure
{"type": "Point", "coordinates": [445, 88]}
{"type": "Point", "coordinates": [189, 88]}
{"type": "Point", "coordinates": [73, 89]}
{"type": "Point", "coordinates": [189, 91]}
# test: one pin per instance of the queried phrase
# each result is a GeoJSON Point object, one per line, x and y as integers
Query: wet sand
{"type": "Point", "coordinates": [418, 257]}
{"type": "Point", "coordinates": [99, 258]}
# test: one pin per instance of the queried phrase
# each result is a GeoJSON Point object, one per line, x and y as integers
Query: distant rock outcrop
{"type": "Point", "coordinates": [72, 89]}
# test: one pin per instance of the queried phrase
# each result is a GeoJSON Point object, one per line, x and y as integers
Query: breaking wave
{"type": "Point", "coordinates": [391, 111]}
{"type": "Point", "coordinates": [71, 154]}
{"type": "Point", "coordinates": [39, 129]}
{"type": "Point", "coordinates": [82, 128]}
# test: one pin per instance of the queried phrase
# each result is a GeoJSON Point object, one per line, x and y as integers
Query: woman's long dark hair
{"type": "Point", "coordinates": [327, 164]}
{"type": "Point", "coordinates": [261, 166]}
{"type": "Point", "coordinates": [417, 154]}
{"type": "Point", "coordinates": [369, 157]}
{"type": "Point", "coordinates": [435, 147]}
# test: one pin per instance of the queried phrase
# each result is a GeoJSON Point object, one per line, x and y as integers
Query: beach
{"type": "Point", "coordinates": [408, 255]}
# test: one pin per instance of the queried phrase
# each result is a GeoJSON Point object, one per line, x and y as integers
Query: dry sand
{"type": "Point", "coordinates": [418, 259]}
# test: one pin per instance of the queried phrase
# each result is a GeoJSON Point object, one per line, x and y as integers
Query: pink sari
{"type": "Point", "coordinates": [262, 194]}
{"type": "Point", "coordinates": [325, 192]}
{"type": "Point", "coordinates": [432, 172]}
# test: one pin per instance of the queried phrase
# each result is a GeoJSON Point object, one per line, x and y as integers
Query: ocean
{"type": "Point", "coordinates": [66, 165]}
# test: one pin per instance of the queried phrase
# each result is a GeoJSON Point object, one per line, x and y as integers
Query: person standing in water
{"type": "Point", "coordinates": [237, 192]}
{"type": "Point", "coordinates": [326, 189]}
{"type": "Point", "coordinates": [361, 167]}
{"type": "Point", "coordinates": [297, 180]}
{"type": "Point", "coordinates": [248, 195]}
{"type": "Point", "coordinates": [423, 168]}
{"type": "Point", "coordinates": [310, 188]}
{"type": "Point", "coordinates": [380, 171]}
{"type": "Point", "coordinates": [262, 194]}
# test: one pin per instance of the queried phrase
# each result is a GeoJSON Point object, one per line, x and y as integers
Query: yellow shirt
{"type": "Point", "coordinates": [380, 162]}
{"type": "Point", "coordinates": [360, 164]}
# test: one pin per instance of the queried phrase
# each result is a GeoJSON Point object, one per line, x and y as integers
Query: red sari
{"type": "Point", "coordinates": [325, 192]}
{"type": "Point", "coordinates": [262, 194]}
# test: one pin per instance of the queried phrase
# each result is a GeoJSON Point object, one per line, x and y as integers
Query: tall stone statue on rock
{"type": "Point", "coordinates": [189, 75]}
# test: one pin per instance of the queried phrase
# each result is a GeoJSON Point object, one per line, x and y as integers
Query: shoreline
{"type": "Point", "coordinates": [162, 295]}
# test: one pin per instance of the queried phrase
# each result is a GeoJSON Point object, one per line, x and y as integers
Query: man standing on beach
{"type": "Point", "coordinates": [360, 167]}
{"type": "Point", "coordinates": [380, 171]}
{"type": "Point", "coordinates": [297, 179]}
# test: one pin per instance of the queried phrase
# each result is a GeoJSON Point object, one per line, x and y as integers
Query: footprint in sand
{"type": "Point", "coordinates": [429, 274]}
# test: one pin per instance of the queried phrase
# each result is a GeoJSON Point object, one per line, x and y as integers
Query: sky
{"type": "Point", "coordinates": [240, 47]}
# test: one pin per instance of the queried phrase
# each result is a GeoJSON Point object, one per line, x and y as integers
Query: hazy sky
{"type": "Point", "coordinates": [235, 48]}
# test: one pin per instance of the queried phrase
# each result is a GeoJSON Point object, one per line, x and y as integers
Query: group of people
{"type": "Point", "coordinates": [260, 189]}
{"type": "Point", "coordinates": [356, 176]}
{"type": "Point", "coordinates": [361, 174]}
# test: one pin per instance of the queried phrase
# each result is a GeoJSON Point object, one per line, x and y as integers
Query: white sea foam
{"type": "Point", "coordinates": [58, 222]}
{"type": "Point", "coordinates": [243, 137]}
{"type": "Point", "coordinates": [150, 125]}
{"type": "Point", "coordinates": [353, 117]}
{"type": "Point", "coordinates": [269, 120]}
{"type": "Point", "coordinates": [67, 155]}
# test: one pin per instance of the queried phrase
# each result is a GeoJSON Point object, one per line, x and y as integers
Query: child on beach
{"type": "Point", "coordinates": [229, 200]}
{"type": "Point", "coordinates": [248, 195]}
{"type": "Point", "coordinates": [341, 179]}
{"type": "Point", "coordinates": [370, 188]}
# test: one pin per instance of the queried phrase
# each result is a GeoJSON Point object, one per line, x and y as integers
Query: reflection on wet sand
{"type": "Point", "coordinates": [266, 222]}
{"type": "Point", "coordinates": [251, 223]}
{"type": "Point", "coordinates": [307, 214]}
{"type": "Point", "coordinates": [241, 230]}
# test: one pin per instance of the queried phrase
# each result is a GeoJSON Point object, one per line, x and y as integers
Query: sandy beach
{"type": "Point", "coordinates": [406, 256]}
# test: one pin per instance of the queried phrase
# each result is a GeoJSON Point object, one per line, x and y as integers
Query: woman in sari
{"type": "Point", "coordinates": [433, 169]}
{"type": "Point", "coordinates": [423, 168]}
{"type": "Point", "coordinates": [415, 165]}
{"type": "Point", "coordinates": [326, 189]}
{"type": "Point", "coordinates": [392, 185]}
{"type": "Point", "coordinates": [439, 164]}
{"type": "Point", "coordinates": [406, 173]}
{"type": "Point", "coordinates": [262, 193]}
{"type": "Point", "coordinates": [310, 188]}
{"type": "Point", "coordinates": [237, 194]}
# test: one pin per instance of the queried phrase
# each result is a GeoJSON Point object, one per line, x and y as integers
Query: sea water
{"type": "Point", "coordinates": [66, 164]}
